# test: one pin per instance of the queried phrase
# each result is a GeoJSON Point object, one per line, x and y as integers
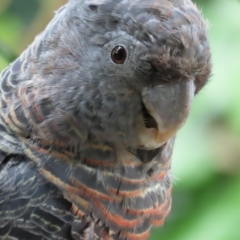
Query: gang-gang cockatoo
{"type": "Point", "coordinates": [88, 117]}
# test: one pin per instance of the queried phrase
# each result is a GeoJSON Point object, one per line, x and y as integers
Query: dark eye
{"type": "Point", "coordinates": [119, 55]}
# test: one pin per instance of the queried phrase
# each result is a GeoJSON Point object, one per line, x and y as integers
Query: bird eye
{"type": "Point", "coordinates": [119, 55]}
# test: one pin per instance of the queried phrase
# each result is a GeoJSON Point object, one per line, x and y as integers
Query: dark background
{"type": "Point", "coordinates": [206, 166]}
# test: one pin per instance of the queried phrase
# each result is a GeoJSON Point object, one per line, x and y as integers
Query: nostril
{"type": "Point", "coordinates": [149, 121]}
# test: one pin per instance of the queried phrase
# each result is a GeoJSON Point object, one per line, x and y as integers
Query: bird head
{"type": "Point", "coordinates": [117, 71]}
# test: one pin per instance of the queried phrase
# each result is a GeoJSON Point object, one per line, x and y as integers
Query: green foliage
{"type": "Point", "coordinates": [206, 166]}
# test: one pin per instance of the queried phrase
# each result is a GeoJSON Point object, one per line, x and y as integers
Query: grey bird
{"type": "Point", "coordinates": [88, 117]}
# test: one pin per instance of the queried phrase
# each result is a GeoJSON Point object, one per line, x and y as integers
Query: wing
{"type": "Point", "coordinates": [30, 207]}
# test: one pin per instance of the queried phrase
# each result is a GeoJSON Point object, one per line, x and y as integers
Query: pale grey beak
{"type": "Point", "coordinates": [169, 106]}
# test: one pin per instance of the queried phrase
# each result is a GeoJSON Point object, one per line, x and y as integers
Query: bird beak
{"type": "Point", "coordinates": [165, 108]}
